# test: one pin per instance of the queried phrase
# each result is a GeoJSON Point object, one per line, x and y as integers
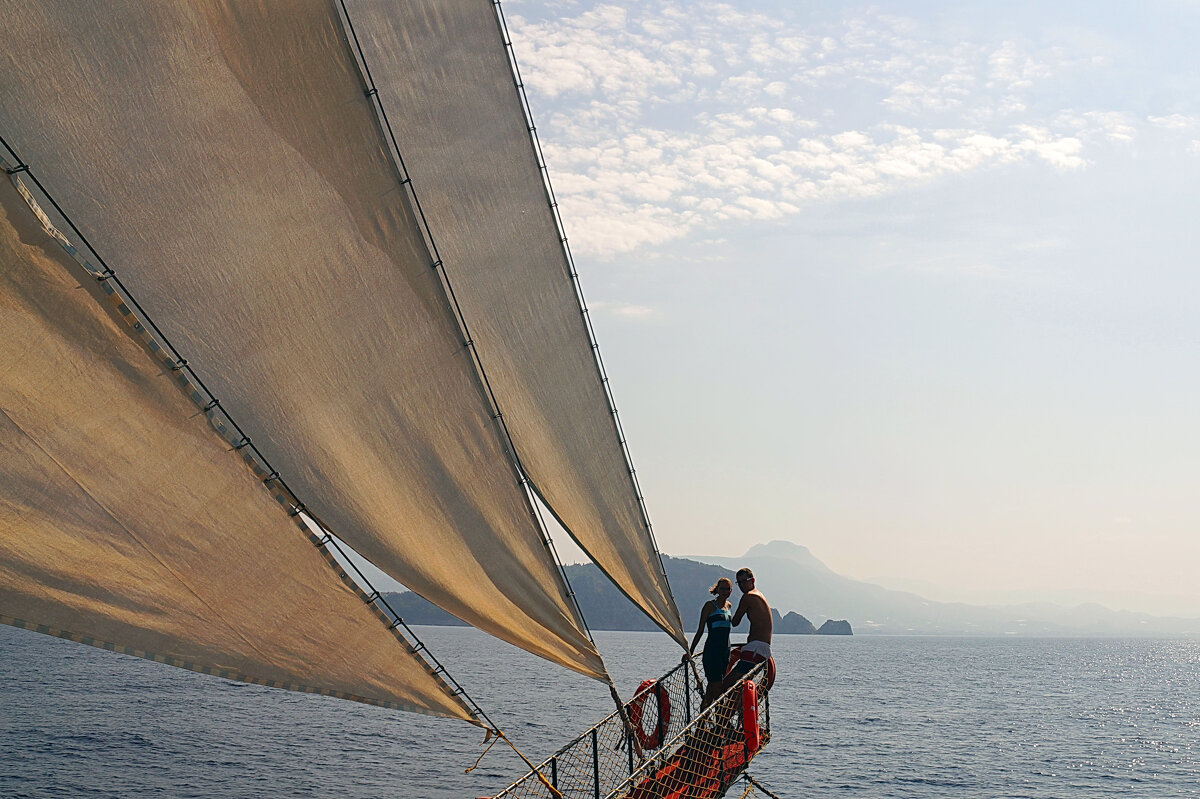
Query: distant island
{"type": "Point", "coordinates": [605, 608]}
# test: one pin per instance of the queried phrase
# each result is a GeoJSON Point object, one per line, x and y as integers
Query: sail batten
{"type": "Point", "coordinates": [225, 157]}
{"type": "Point", "coordinates": [460, 121]}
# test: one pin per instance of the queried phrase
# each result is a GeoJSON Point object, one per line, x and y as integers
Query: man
{"type": "Point", "coordinates": [758, 644]}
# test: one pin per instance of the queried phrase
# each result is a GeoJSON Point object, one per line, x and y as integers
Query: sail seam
{"type": "Point", "coordinates": [216, 612]}
{"type": "Point", "coordinates": [552, 202]}
{"type": "Point", "coordinates": [189, 382]}
{"type": "Point", "coordinates": [405, 179]}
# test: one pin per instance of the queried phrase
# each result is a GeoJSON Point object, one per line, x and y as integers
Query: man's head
{"type": "Point", "coordinates": [745, 579]}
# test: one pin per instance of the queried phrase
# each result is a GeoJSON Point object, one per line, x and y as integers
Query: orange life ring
{"type": "Point", "coordinates": [750, 717]}
{"type": "Point", "coordinates": [736, 651]}
{"type": "Point", "coordinates": [651, 740]}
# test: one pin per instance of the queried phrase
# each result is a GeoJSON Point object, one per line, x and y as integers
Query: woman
{"type": "Point", "coordinates": [715, 615]}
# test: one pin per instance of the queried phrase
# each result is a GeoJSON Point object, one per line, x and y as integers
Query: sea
{"type": "Point", "coordinates": [858, 716]}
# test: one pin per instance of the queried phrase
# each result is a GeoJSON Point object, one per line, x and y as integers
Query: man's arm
{"type": "Point", "coordinates": [742, 607]}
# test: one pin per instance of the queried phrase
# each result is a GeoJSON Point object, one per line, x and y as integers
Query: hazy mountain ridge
{"type": "Point", "coordinates": [606, 608]}
{"type": "Point", "coordinates": [791, 576]}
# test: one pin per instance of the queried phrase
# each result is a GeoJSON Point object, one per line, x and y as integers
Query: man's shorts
{"type": "Point", "coordinates": [752, 653]}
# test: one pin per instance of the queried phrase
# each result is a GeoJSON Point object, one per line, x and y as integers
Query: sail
{"type": "Point", "coordinates": [445, 83]}
{"type": "Point", "coordinates": [224, 159]}
{"type": "Point", "coordinates": [127, 522]}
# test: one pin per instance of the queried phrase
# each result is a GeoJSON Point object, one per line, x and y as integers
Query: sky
{"type": "Point", "coordinates": [911, 284]}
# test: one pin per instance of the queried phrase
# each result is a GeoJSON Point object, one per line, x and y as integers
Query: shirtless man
{"type": "Point", "coordinates": [758, 646]}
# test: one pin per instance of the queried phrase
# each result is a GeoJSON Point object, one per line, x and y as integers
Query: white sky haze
{"type": "Point", "coordinates": [911, 284]}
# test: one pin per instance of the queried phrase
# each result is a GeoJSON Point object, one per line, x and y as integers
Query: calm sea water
{"type": "Point", "coordinates": [852, 717]}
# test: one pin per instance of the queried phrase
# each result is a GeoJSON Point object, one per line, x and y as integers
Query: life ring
{"type": "Point", "coordinates": [750, 718]}
{"type": "Point", "coordinates": [654, 739]}
{"type": "Point", "coordinates": [735, 653]}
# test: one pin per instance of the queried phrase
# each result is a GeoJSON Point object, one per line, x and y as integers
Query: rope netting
{"type": "Point", "coordinates": [684, 751]}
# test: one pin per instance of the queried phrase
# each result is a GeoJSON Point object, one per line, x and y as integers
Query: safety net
{"type": "Point", "coordinates": [677, 748]}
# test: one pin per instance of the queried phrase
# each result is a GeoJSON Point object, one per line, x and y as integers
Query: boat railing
{"type": "Point", "coordinates": [679, 744]}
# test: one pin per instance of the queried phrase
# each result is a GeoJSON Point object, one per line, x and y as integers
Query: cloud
{"type": "Point", "coordinates": [625, 310]}
{"type": "Point", "coordinates": [667, 117]}
{"type": "Point", "coordinates": [1175, 122]}
{"type": "Point", "coordinates": [1011, 69]}
{"type": "Point", "coordinates": [1113, 126]}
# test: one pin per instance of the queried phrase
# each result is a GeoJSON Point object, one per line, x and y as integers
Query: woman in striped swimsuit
{"type": "Point", "coordinates": [716, 617]}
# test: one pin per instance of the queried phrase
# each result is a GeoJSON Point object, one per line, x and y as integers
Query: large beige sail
{"type": "Point", "coordinates": [445, 82]}
{"type": "Point", "coordinates": [126, 521]}
{"type": "Point", "coordinates": [224, 159]}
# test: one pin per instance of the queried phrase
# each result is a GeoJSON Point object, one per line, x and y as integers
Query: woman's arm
{"type": "Point", "coordinates": [704, 611]}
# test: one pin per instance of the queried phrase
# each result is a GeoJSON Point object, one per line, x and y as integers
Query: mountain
{"type": "Point", "coordinates": [789, 575]}
{"type": "Point", "coordinates": [605, 608]}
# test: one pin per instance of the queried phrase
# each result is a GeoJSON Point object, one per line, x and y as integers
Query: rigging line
{"type": "Point", "coordinates": [592, 761]}
{"type": "Point", "coordinates": [552, 200]}
{"type": "Point", "coordinates": [398, 621]}
{"type": "Point", "coordinates": [107, 273]}
{"type": "Point", "coordinates": [756, 784]}
{"type": "Point", "coordinates": [217, 612]}
{"type": "Point", "coordinates": [616, 583]}
{"type": "Point", "coordinates": [628, 722]}
{"type": "Point", "coordinates": [568, 753]}
{"type": "Point", "coordinates": [695, 673]}
{"type": "Point", "coordinates": [536, 502]}
{"type": "Point", "coordinates": [156, 340]}
{"type": "Point", "coordinates": [405, 179]}
{"type": "Point", "coordinates": [554, 792]}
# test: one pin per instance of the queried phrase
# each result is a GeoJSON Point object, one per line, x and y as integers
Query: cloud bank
{"type": "Point", "coordinates": [673, 117]}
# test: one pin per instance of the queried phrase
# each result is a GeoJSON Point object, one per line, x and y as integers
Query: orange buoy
{"type": "Point", "coordinates": [653, 739]}
{"type": "Point", "coordinates": [750, 717]}
{"type": "Point", "coordinates": [735, 653]}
